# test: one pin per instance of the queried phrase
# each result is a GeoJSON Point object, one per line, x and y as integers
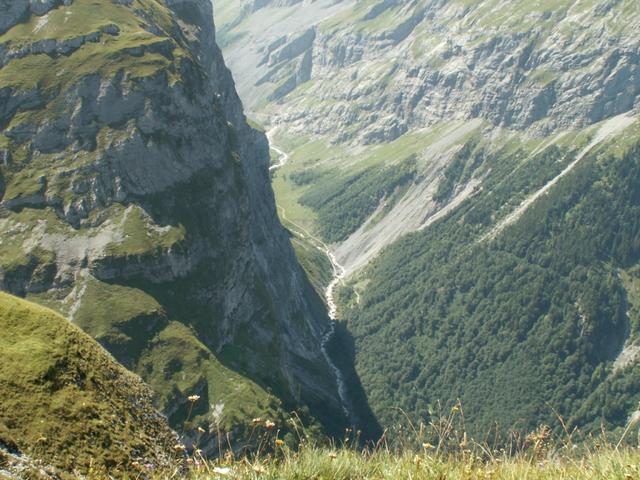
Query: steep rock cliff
{"type": "Point", "coordinates": [382, 68]}
{"type": "Point", "coordinates": [136, 200]}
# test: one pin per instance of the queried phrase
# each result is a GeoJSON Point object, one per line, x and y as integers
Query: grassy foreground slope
{"type": "Point", "coordinates": [608, 464]}
{"type": "Point", "coordinates": [66, 402]}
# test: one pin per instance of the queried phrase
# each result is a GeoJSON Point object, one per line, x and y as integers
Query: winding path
{"type": "Point", "coordinates": [339, 273]}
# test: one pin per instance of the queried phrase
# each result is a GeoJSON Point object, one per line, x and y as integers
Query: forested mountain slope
{"type": "Point", "coordinates": [136, 202]}
{"type": "Point", "coordinates": [474, 166]}
{"type": "Point", "coordinates": [518, 326]}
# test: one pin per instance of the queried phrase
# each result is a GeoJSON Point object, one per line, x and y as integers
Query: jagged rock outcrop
{"type": "Point", "coordinates": [136, 200]}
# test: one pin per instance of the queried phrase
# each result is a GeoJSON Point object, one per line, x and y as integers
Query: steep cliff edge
{"type": "Point", "coordinates": [136, 201]}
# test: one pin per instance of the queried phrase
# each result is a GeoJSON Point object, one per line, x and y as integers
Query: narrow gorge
{"type": "Point", "coordinates": [320, 239]}
{"type": "Point", "coordinates": [444, 150]}
{"type": "Point", "coordinates": [135, 201]}
{"type": "Point", "coordinates": [329, 294]}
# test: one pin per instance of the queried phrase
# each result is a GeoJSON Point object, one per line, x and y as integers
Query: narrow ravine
{"type": "Point", "coordinates": [339, 273]}
{"type": "Point", "coordinates": [338, 276]}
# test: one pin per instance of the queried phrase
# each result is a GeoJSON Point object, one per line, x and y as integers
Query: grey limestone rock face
{"type": "Point", "coordinates": [250, 6]}
{"type": "Point", "coordinates": [424, 62]}
{"type": "Point", "coordinates": [14, 11]}
{"type": "Point", "coordinates": [172, 147]}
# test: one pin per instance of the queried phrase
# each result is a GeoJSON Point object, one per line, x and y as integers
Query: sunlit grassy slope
{"type": "Point", "coordinates": [64, 400]}
{"type": "Point", "coordinates": [351, 465]}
